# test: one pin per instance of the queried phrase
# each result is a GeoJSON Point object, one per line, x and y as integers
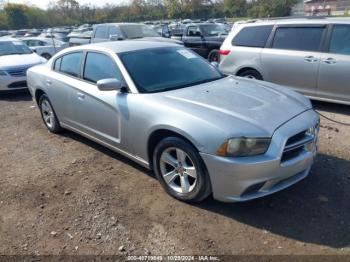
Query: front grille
{"type": "Point", "coordinates": [18, 84]}
{"type": "Point", "coordinates": [296, 144]}
{"type": "Point", "coordinates": [18, 71]}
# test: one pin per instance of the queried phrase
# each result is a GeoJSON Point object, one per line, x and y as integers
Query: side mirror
{"type": "Point", "coordinates": [109, 84]}
{"type": "Point", "coordinates": [215, 64]}
{"type": "Point", "coordinates": [115, 38]}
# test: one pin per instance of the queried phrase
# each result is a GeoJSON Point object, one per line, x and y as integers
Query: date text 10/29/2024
{"type": "Point", "coordinates": [173, 258]}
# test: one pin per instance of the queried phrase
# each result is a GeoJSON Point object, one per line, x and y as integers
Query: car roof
{"type": "Point", "coordinates": [117, 24]}
{"type": "Point", "coordinates": [36, 38]}
{"type": "Point", "coordinates": [10, 39]}
{"type": "Point", "coordinates": [296, 21]}
{"type": "Point", "coordinates": [125, 46]}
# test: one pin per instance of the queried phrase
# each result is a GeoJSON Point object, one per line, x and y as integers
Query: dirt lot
{"type": "Point", "coordinates": [62, 194]}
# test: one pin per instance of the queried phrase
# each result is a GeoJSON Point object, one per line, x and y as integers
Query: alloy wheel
{"type": "Point", "coordinates": [178, 170]}
{"type": "Point", "coordinates": [48, 115]}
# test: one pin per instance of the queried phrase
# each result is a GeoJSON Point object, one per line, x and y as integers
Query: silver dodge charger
{"type": "Point", "coordinates": [166, 108]}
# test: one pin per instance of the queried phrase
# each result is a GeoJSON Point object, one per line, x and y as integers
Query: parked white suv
{"type": "Point", "coordinates": [15, 59]}
{"type": "Point", "coordinates": [311, 56]}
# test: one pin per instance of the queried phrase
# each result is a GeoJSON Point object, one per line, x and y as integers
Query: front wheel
{"type": "Point", "coordinates": [46, 56]}
{"type": "Point", "coordinates": [180, 170]}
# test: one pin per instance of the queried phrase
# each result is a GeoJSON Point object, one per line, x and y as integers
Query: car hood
{"type": "Point", "coordinates": [161, 39]}
{"type": "Point", "coordinates": [10, 61]}
{"type": "Point", "coordinates": [259, 106]}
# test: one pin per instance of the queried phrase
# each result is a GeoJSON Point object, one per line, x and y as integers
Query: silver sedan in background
{"type": "Point", "coordinates": [169, 110]}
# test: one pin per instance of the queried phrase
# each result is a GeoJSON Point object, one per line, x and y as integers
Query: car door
{"type": "Point", "coordinates": [193, 39]}
{"type": "Point", "coordinates": [292, 57]}
{"type": "Point", "coordinates": [334, 74]}
{"type": "Point", "coordinates": [101, 34]}
{"type": "Point", "coordinates": [61, 83]}
{"type": "Point", "coordinates": [96, 112]}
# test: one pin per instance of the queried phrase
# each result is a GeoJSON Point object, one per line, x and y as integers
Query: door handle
{"type": "Point", "coordinates": [81, 96]}
{"type": "Point", "coordinates": [330, 61]}
{"type": "Point", "coordinates": [48, 82]}
{"type": "Point", "coordinates": [310, 59]}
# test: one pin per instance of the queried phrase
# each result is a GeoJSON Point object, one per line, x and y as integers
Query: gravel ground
{"type": "Point", "coordinates": [62, 194]}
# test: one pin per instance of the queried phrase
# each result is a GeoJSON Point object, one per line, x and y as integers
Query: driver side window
{"type": "Point", "coordinates": [99, 66]}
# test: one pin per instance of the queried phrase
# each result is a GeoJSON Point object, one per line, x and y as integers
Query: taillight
{"type": "Point", "coordinates": [224, 52]}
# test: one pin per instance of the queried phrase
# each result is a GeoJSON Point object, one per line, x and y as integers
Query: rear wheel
{"type": "Point", "coordinates": [180, 170]}
{"type": "Point", "coordinates": [48, 115]}
{"type": "Point", "coordinates": [251, 73]}
{"type": "Point", "coordinates": [46, 56]}
{"type": "Point", "coordinates": [214, 56]}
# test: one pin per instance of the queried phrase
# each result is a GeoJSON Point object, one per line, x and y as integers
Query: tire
{"type": "Point", "coordinates": [190, 168]}
{"type": "Point", "coordinates": [214, 56]}
{"type": "Point", "coordinates": [252, 74]}
{"type": "Point", "coordinates": [46, 56]}
{"type": "Point", "coordinates": [48, 115]}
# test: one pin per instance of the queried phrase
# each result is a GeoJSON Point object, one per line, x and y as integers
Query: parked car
{"type": "Point", "coordinates": [169, 110]}
{"type": "Point", "coordinates": [45, 47]}
{"type": "Point", "coordinates": [311, 56]}
{"type": "Point", "coordinates": [80, 35]}
{"type": "Point", "coordinates": [15, 59]}
{"type": "Point", "coordinates": [203, 38]}
{"type": "Point", "coordinates": [19, 33]}
{"type": "Point", "coordinates": [162, 30]}
{"type": "Point", "coordinates": [33, 33]}
{"type": "Point", "coordinates": [80, 38]}
{"type": "Point", "coordinates": [122, 31]}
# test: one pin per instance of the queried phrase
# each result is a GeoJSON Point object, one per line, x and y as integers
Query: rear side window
{"type": "Point", "coordinates": [253, 36]}
{"type": "Point", "coordinates": [193, 31]}
{"type": "Point", "coordinates": [71, 64]}
{"type": "Point", "coordinates": [100, 66]}
{"type": "Point", "coordinates": [340, 40]}
{"type": "Point", "coordinates": [101, 32]}
{"type": "Point", "coordinates": [114, 31]}
{"type": "Point", "coordinates": [298, 38]}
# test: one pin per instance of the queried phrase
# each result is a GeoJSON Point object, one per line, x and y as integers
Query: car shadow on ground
{"type": "Point", "coordinates": [15, 96]}
{"type": "Point", "coordinates": [106, 151]}
{"type": "Point", "coordinates": [331, 107]}
{"type": "Point", "coordinates": [316, 210]}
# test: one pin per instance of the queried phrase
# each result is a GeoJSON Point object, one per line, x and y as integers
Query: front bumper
{"type": "Point", "coordinates": [246, 178]}
{"type": "Point", "coordinates": [12, 83]}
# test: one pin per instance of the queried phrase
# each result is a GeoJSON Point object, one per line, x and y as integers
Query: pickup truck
{"type": "Point", "coordinates": [203, 38]}
{"type": "Point", "coordinates": [122, 31]}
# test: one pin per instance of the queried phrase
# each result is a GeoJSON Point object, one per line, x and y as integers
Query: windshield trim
{"type": "Point", "coordinates": [166, 89]}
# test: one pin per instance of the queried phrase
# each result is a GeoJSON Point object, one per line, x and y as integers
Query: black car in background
{"type": "Point", "coordinates": [203, 38]}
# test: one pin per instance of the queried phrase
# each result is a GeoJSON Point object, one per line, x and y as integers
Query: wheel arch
{"type": "Point", "coordinates": [46, 53]}
{"type": "Point", "coordinates": [157, 135]}
{"type": "Point", "coordinates": [38, 93]}
{"type": "Point", "coordinates": [241, 70]}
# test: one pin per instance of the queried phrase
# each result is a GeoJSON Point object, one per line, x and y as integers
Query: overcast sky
{"type": "Point", "coordinates": [43, 3]}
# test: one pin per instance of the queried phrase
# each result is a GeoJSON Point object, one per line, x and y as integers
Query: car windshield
{"type": "Point", "coordinates": [169, 68]}
{"type": "Point", "coordinates": [213, 30]}
{"type": "Point", "coordinates": [13, 47]}
{"type": "Point", "coordinates": [138, 31]}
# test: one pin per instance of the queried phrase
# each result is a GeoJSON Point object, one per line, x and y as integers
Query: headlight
{"type": "Point", "coordinates": [238, 147]}
{"type": "Point", "coordinates": [3, 73]}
